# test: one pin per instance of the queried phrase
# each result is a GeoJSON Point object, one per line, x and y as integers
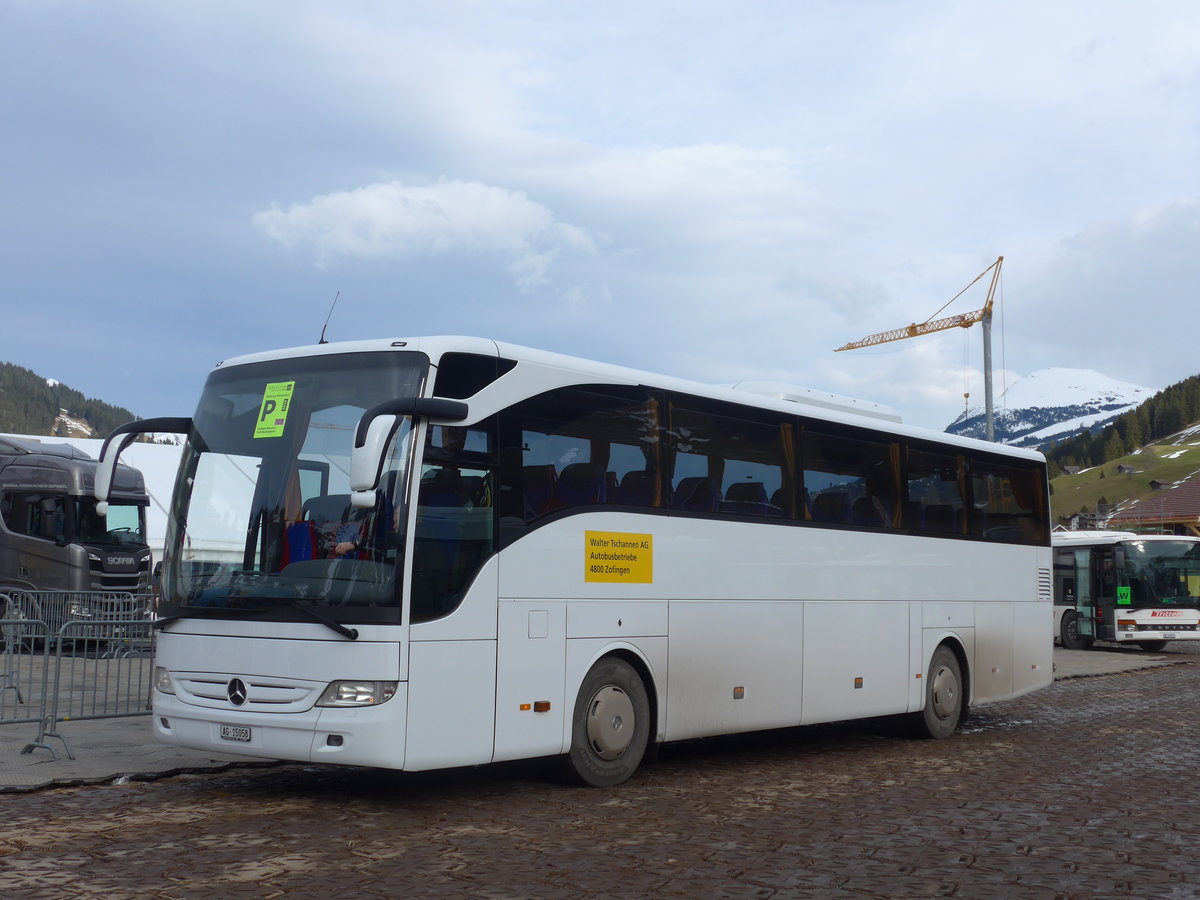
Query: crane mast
{"type": "Point", "coordinates": [962, 320]}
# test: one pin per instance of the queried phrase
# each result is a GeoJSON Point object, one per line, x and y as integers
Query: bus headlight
{"type": "Point", "coordinates": [162, 680]}
{"type": "Point", "coordinates": [1127, 624]}
{"type": "Point", "coordinates": [358, 693]}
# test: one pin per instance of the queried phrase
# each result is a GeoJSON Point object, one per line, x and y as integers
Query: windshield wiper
{"type": "Point", "coordinates": [201, 612]}
{"type": "Point", "coordinates": [197, 612]}
{"type": "Point", "coordinates": [343, 630]}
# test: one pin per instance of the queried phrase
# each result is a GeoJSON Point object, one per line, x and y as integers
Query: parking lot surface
{"type": "Point", "coordinates": [1082, 790]}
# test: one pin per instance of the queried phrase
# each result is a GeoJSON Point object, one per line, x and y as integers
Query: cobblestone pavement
{"type": "Point", "coordinates": [1083, 790]}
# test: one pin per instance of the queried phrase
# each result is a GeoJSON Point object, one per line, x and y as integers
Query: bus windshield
{"type": "Point", "coordinates": [1159, 573]}
{"type": "Point", "coordinates": [263, 525]}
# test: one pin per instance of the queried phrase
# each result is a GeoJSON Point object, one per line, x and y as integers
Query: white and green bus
{"type": "Point", "coordinates": [449, 551]}
{"type": "Point", "coordinates": [1141, 589]}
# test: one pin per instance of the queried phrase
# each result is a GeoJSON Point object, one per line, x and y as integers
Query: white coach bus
{"type": "Point", "coordinates": [1141, 589]}
{"type": "Point", "coordinates": [452, 551]}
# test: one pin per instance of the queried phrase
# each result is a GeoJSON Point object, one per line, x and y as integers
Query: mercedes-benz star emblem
{"type": "Point", "coordinates": [237, 691]}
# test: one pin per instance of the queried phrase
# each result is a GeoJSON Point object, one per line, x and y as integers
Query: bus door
{"type": "Point", "coordinates": [1085, 596]}
{"type": "Point", "coordinates": [1107, 595]}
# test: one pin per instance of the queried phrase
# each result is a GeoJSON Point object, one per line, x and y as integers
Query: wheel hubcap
{"type": "Point", "coordinates": [610, 722]}
{"type": "Point", "coordinates": [945, 692]}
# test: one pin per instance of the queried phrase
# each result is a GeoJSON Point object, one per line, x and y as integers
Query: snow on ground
{"type": "Point", "coordinates": [1072, 426]}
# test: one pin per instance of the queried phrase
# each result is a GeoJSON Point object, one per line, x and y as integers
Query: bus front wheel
{"type": "Point", "coordinates": [611, 724]}
{"type": "Point", "coordinates": [1152, 646]}
{"type": "Point", "coordinates": [1069, 634]}
{"type": "Point", "coordinates": [945, 702]}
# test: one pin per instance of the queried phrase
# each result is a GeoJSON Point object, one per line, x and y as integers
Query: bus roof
{"type": "Point", "coordinates": [1096, 538]}
{"type": "Point", "coordinates": [784, 398]}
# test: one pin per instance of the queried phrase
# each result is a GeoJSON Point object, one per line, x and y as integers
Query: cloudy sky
{"type": "Point", "coordinates": [722, 191]}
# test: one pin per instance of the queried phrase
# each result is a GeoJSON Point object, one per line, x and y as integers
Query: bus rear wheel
{"type": "Point", "coordinates": [1068, 633]}
{"type": "Point", "coordinates": [945, 703]}
{"type": "Point", "coordinates": [1152, 646]}
{"type": "Point", "coordinates": [611, 725]}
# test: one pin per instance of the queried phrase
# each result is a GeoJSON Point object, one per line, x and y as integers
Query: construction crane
{"type": "Point", "coordinates": [963, 320]}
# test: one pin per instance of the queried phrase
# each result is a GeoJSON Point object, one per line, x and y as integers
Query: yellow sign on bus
{"type": "Point", "coordinates": [618, 556]}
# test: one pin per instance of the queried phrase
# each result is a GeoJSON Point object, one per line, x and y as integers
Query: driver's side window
{"type": "Point", "coordinates": [455, 525]}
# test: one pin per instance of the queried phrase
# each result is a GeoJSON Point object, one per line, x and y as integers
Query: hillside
{"type": "Point", "coordinates": [31, 404]}
{"type": "Point", "coordinates": [1117, 482]}
{"type": "Point", "coordinates": [1156, 420]}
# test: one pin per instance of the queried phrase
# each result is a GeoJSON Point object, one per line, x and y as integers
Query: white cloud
{"type": "Point", "coordinates": [393, 220]}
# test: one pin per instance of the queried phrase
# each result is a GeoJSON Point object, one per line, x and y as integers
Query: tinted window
{"type": "Point", "coordinates": [37, 515]}
{"type": "Point", "coordinates": [1008, 503]}
{"type": "Point", "coordinates": [460, 375]}
{"type": "Point", "coordinates": [726, 464]}
{"type": "Point", "coordinates": [850, 481]}
{"type": "Point", "coordinates": [935, 496]}
{"type": "Point", "coordinates": [455, 528]}
{"type": "Point", "coordinates": [581, 447]}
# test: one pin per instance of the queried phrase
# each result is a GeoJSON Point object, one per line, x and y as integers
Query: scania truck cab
{"type": "Point", "coordinates": [51, 536]}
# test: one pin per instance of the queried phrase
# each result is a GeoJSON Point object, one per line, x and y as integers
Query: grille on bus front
{"type": "Point", "coordinates": [263, 694]}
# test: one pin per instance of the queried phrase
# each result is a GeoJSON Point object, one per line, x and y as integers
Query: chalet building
{"type": "Point", "coordinates": [1172, 510]}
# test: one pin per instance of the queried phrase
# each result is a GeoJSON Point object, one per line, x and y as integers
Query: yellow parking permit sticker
{"type": "Point", "coordinates": [618, 556]}
{"type": "Point", "coordinates": [272, 415]}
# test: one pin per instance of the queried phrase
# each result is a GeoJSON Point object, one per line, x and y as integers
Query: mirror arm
{"type": "Point", "coordinates": [431, 407]}
{"type": "Point", "coordinates": [121, 438]}
{"type": "Point", "coordinates": [366, 457]}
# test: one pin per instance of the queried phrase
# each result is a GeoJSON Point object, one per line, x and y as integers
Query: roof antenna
{"type": "Point", "coordinates": [328, 317]}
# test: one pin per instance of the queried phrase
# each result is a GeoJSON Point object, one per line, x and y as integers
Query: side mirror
{"type": "Point", "coordinates": [376, 428]}
{"type": "Point", "coordinates": [111, 451]}
{"type": "Point", "coordinates": [1118, 558]}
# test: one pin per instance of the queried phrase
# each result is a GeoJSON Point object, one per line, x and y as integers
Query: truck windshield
{"type": "Point", "coordinates": [123, 526]}
{"type": "Point", "coordinates": [262, 509]}
{"type": "Point", "coordinates": [1159, 573]}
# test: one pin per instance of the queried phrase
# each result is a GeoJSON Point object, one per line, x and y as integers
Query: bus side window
{"type": "Point", "coordinates": [732, 465]}
{"type": "Point", "coordinates": [583, 446]}
{"type": "Point", "coordinates": [1008, 503]}
{"type": "Point", "coordinates": [850, 481]}
{"type": "Point", "coordinates": [934, 492]}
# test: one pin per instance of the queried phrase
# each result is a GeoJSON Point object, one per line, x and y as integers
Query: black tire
{"type": "Point", "coordinates": [945, 697]}
{"type": "Point", "coordinates": [1152, 646]}
{"type": "Point", "coordinates": [1068, 633]}
{"type": "Point", "coordinates": [611, 725]}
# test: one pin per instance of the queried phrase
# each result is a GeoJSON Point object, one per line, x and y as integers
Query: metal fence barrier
{"type": "Point", "coordinates": [23, 672]}
{"type": "Point", "coordinates": [73, 655]}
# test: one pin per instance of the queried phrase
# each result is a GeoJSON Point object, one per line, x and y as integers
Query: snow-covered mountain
{"type": "Point", "coordinates": [1053, 404]}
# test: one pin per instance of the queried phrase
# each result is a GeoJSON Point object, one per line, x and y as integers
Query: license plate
{"type": "Point", "coordinates": [235, 733]}
{"type": "Point", "coordinates": [1169, 635]}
